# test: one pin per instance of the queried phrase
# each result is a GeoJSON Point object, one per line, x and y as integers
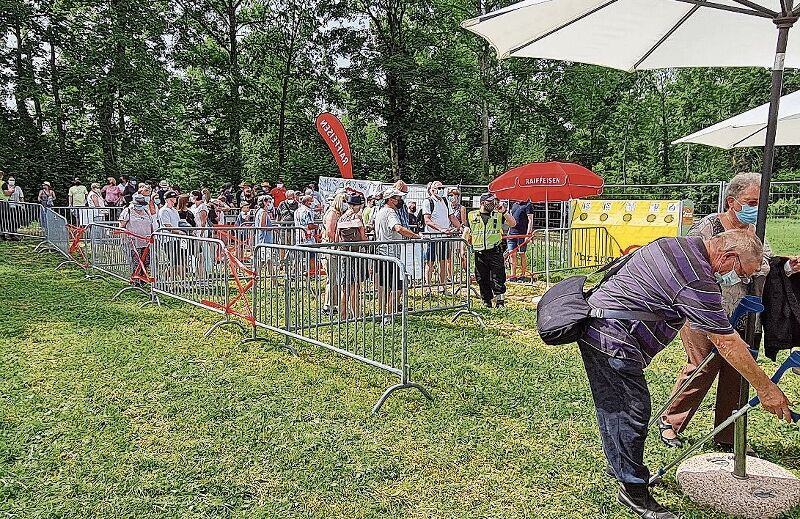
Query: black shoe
{"type": "Point", "coordinates": [487, 304]}
{"type": "Point", "coordinates": [610, 471]}
{"type": "Point", "coordinates": [500, 303]}
{"type": "Point", "coordinates": [672, 443]}
{"type": "Point", "coordinates": [639, 500]}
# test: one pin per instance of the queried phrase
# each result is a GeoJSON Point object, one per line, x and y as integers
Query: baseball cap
{"type": "Point", "coordinates": [393, 192]}
{"type": "Point", "coordinates": [163, 183]}
{"type": "Point", "coordinates": [487, 196]}
{"type": "Point", "coordinates": [170, 194]}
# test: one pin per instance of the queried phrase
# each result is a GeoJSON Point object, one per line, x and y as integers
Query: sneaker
{"type": "Point", "coordinates": [500, 303]}
{"type": "Point", "coordinates": [487, 304]}
{"type": "Point", "coordinates": [638, 499]}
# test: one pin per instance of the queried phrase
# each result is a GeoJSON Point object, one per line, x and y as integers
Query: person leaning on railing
{"type": "Point", "coordinates": [389, 229]}
{"type": "Point", "coordinates": [484, 232]}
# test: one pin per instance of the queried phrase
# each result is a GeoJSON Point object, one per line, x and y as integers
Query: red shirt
{"type": "Point", "coordinates": [278, 195]}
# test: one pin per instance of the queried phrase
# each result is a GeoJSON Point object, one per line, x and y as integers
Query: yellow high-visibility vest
{"type": "Point", "coordinates": [485, 236]}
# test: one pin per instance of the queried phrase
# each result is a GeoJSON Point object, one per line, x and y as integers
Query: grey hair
{"type": "Point", "coordinates": [743, 242]}
{"type": "Point", "coordinates": [740, 182]}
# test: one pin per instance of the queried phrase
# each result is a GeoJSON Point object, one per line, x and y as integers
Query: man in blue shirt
{"type": "Point", "coordinates": [678, 280]}
{"type": "Point", "coordinates": [517, 242]}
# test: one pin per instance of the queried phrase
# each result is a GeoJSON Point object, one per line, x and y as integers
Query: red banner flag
{"type": "Point", "coordinates": [332, 132]}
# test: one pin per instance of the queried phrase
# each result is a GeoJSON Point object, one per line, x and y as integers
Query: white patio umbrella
{"type": "Point", "coordinates": [652, 34]}
{"type": "Point", "coordinates": [749, 128]}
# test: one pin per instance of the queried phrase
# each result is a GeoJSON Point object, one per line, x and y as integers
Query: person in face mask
{"type": "Point", "coordinates": [674, 280]}
{"type": "Point", "coordinates": [741, 199]}
{"type": "Point", "coordinates": [484, 231]}
{"type": "Point", "coordinates": [11, 209]}
{"type": "Point", "coordinates": [141, 223]}
{"type": "Point", "coordinates": [439, 218]}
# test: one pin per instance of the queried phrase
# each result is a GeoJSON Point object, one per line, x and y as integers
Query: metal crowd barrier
{"type": "Point", "coordinates": [369, 322]}
{"type": "Point", "coordinates": [437, 276]}
{"type": "Point", "coordinates": [123, 255]}
{"type": "Point", "coordinates": [85, 215]}
{"type": "Point", "coordinates": [241, 241]}
{"type": "Point", "coordinates": [21, 220]}
{"type": "Point", "coordinates": [55, 231]}
{"type": "Point", "coordinates": [198, 271]}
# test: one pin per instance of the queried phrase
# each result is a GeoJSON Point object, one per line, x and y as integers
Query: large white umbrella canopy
{"type": "Point", "coordinates": [637, 34]}
{"type": "Point", "coordinates": [749, 128]}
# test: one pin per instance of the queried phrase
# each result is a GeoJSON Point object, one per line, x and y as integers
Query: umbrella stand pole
{"type": "Point", "coordinates": [783, 24]}
{"type": "Point", "coordinates": [546, 241]}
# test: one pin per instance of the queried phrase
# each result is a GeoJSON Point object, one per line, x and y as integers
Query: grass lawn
{"type": "Point", "coordinates": [109, 410]}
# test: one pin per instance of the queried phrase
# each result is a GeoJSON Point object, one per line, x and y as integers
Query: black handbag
{"type": "Point", "coordinates": [564, 312]}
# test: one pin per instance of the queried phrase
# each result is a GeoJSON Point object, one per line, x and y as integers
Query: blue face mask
{"type": "Point", "coordinates": [748, 214]}
{"type": "Point", "coordinates": [728, 279]}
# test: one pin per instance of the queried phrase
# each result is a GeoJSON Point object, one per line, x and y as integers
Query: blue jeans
{"type": "Point", "coordinates": [622, 403]}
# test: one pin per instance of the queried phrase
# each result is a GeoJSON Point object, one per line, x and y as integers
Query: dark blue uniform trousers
{"type": "Point", "coordinates": [622, 402]}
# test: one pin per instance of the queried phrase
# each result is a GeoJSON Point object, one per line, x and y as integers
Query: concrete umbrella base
{"type": "Point", "coordinates": [769, 490]}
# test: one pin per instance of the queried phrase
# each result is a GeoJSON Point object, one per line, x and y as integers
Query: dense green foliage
{"type": "Point", "coordinates": [206, 91]}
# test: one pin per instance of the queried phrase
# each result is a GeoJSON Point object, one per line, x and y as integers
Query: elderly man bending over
{"type": "Point", "coordinates": [677, 280]}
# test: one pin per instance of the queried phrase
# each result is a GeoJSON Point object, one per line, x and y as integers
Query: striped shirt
{"type": "Point", "coordinates": [671, 277]}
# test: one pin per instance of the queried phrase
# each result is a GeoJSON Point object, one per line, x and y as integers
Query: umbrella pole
{"type": "Point", "coordinates": [546, 241]}
{"type": "Point", "coordinates": [783, 24]}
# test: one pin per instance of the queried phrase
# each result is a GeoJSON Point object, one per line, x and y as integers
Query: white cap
{"type": "Point", "coordinates": [393, 192]}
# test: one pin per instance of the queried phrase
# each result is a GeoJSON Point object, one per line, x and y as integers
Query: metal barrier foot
{"type": "Point", "coordinates": [468, 312]}
{"type": "Point", "coordinates": [128, 289]}
{"type": "Point", "coordinates": [287, 347]}
{"type": "Point", "coordinates": [386, 394]}
{"type": "Point", "coordinates": [224, 322]}
{"type": "Point", "coordinates": [63, 264]}
{"type": "Point", "coordinates": [154, 300]}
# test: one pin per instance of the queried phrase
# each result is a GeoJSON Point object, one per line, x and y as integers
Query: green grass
{"type": "Point", "coordinates": [783, 236]}
{"type": "Point", "coordinates": [108, 410]}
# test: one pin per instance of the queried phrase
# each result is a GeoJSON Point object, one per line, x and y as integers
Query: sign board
{"type": "Point", "coordinates": [334, 135]}
{"type": "Point", "coordinates": [329, 185]}
{"type": "Point", "coordinates": [630, 223]}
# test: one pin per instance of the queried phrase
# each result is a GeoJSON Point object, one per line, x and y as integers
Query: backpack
{"type": "Point", "coordinates": [563, 313]}
{"type": "Point", "coordinates": [348, 234]}
{"type": "Point", "coordinates": [286, 213]}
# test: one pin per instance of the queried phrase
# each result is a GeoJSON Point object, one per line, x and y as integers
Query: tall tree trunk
{"type": "Point", "coordinates": [282, 119]}
{"type": "Point", "coordinates": [665, 165]}
{"type": "Point", "coordinates": [107, 137]}
{"type": "Point", "coordinates": [395, 126]}
{"type": "Point", "coordinates": [20, 83]}
{"type": "Point", "coordinates": [55, 85]}
{"type": "Point", "coordinates": [234, 131]}
{"type": "Point", "coordinates": [287, 70]}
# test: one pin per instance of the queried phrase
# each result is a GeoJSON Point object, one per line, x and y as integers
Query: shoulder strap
{"type": "Point", "coordinates": [610, 269]}
{"type": "Point", "coordinates": [431, 204]}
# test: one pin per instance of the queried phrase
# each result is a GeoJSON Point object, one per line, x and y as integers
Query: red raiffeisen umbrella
{"type": "Point", "coordinates": [546, 182]}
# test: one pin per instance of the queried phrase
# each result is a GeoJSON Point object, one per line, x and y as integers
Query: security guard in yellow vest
{"type": "Point", "coordinates": [483, 230]}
